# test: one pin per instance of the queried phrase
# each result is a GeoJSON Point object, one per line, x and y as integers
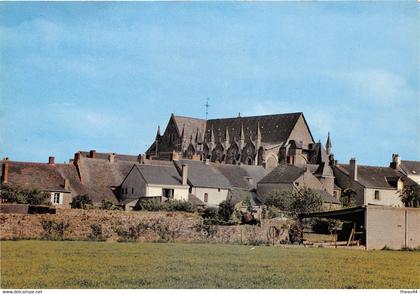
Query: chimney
{"type": "Point", "coordinates": [396, 161]}
{"type": "Point", "coordinates": [76, 158]}
{"type": "Point", "coordinates": [111, 157]}
{"type": "Point", "coordinates": [66, 185]}
{"type": "Point", "coordinates": [353, 169]}
{"type": "Point", "coordinates": [184, 174]}
{"type": "Point", "coordinates": [92, 153]}
{"type": "Point", "coordinates": [51, 160]}
{"type": "Point", "coordinates": [5, 175]}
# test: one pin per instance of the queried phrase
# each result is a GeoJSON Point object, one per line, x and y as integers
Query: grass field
{"type": "Point", "coordinates": [43, 264]}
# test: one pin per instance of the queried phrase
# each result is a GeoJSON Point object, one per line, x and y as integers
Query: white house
{"type": "Point", "coordinates": [154, 181]}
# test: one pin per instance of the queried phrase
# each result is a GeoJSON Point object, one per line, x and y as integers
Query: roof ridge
{"type": "Point", "coordinates": [264, 115]}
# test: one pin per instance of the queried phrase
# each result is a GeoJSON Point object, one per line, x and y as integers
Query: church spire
{"type": "Point", "coordinates": [258, 134]}
{"type": "Point", "coordinates": [158, 133]}
{"type": "Point", "coordinates": [212, 138]}
{"type": "Point", "coordinates": [227, 140]}
{"type": "Point", "coordinates": [328, 145]}
{"type": "Point", "coordinates": [242, 137]}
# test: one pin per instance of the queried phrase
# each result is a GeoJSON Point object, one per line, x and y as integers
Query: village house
{"type": "Point", "coordinates": [44, 177]}
{"type": "Point", "coordinates": [258, 140]}
{"type": "Point", "coordinates": [157, 181]}
{"type": "Point", "coordinates": [372, 184]}
{"type": "Point", "coordinates": [206, 183]}
{"type": "Point", "coordinates": [243, 180]}
{"type": "Point", "coordinates": [291, 178]}
{"type": "Point", "coordinates": [409, 168]}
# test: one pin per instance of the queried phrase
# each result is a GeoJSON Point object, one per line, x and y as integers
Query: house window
{"type": "Point", "coordinates": [335, 194]}
{"type": "Point", "coordinates": [206, 197]}
{"type": "Point", "coordinates": [132, 190]}
{"type": "Point", "coordinates": [168, 193]}
{"type": "Point", "coordinates": [218, 189]}
{"type": "Point", "coordinates": [376, 195]}
{"type": "Point", "coordinates": [56, 198]}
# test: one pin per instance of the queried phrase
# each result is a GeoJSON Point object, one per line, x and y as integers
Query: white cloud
{"type": "Point", "coordinates": [378, 86]}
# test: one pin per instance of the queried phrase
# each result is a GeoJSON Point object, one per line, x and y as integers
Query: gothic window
{"type": "Point", "coordinates": [205, 151]}
{"type": "Point", "coordinates": [218, 154]}
{"type": "Point", "coordinates": [190, 151]}
{"type": "Point", "coordinates": [206, 197]}
{"type": "Point", "coordinates": [232, 154]}
{"type": "Point", "coordinates": [248, 154]}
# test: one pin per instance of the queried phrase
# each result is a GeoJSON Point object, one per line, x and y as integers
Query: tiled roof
{"type": "Point", "coordinates": [274, 128]}
{"type": "Point", "coordinates": [374, 176]}
{"type": "Point", "coordinates": [201, 174]}
{"type": "Point", "coordinates": [411, 166]}
{"type": "Point", "coordinates": [100, 177]}
{"type": "Point", "coordinates": [69, 172]}
{"type": "Point", "coordinates": [239, 195]}
{"type": "Point", "coordinates": [159, 174]}
{"type": "Point", "coordinates": [326, 197]}
{"type": "Point", "coordinates": [31, 175]}
{"type": "Point", "coordinates": [283, 173]}
{"type": "Point", "coordinates": [239, 176]}
{"type": "Point", "coordinates": [190, 125]}
{"type": "Point", "coordinates": [105, 155]}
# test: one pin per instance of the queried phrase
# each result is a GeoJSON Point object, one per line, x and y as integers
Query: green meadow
{"type": "Point", "coordinates": [49, 264]}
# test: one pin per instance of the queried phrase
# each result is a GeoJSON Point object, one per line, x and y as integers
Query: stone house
{"type": "Point", "coordinates": [291, 178]}
{"type": "Point", "coordinates": [155, 181]}
{"type": "Point", "coordinates": [372, 184]}
{"type": "Point", "coordinates": [44, 177]}
{"type": "Point", "coordinates": [258, 140]}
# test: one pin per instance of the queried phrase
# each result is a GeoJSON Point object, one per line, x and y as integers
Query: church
{"type": "Point", "coordinates": [266, 140]}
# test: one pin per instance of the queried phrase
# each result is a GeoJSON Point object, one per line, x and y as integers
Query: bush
{"type": "Point", "coordinates": [54, 230]}
{"type": "Point", "coordinates": [178, 205]}
{"type": "Point", "coordinates": [106, 204]}
{"type": "Point", "coordinates": [149, 205]}
{"type": "Point", "coordinates": [133, 232]}
{"type": "Point", "coordinates": [13, 194]}
{"type": "Point", "coordinates": [225, 211]}
{"type": "Point", "coordinates": [81, 201]}
{"type": "Point", "coordinates": [296, 233]}
{"type": "Point", "coordinates": [96, 234]}
{"type": "Point", "coordinates": [208, 230]}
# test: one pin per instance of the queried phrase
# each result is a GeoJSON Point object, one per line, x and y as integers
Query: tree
{"type": "Point", "coordinates": [410, 196]}
{"type": "Point", "coordinates": [226, 208]}
{"type": "Point", "coordinates": [348, 198]}
{"type": "Point", "coordinates": [294, 202]}
{"type": "Point", "coordinates": [81, 201]}
{"type": "Point", "coordinates": [14, 194]}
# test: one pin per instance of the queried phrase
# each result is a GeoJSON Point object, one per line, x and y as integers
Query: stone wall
{"type": "Point", "coordinates": [158, 226]}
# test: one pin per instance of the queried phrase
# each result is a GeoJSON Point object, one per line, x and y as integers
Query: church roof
{"type": "Point", "coordinates": [190, 125]}
{"type": "Point", "coordinates": [274, 128]}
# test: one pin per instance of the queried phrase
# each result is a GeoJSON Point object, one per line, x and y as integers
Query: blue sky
{"type": "Point", "coordinates": [81, 76]}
